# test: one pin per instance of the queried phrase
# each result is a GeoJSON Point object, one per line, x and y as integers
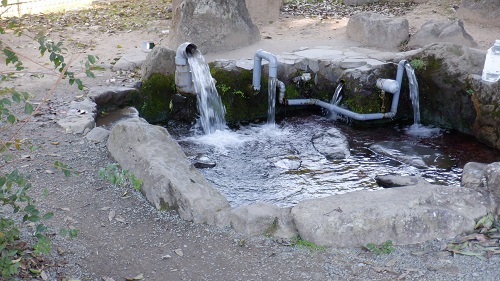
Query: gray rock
{"type": "Point", "coordinates": [443, 31]}
{"type": "Point", "coordinates": [332, 144]}
{"type": "Point", "coordinates": [213, 25]}
{"type": "Point", "coordinates": [80, 117]}
{"type": "Point", "coordinates": [112, 96]}
{"type": "Point", "coordinates": [159, 60]}
{"type": "Point", "coordinates": [259, 219]}
{"type": "Point", "coordinates": [97, 135]}
{"type": "Point", "coordinates": [473, 174]}
{"type": "Point", "coordinates": [264, 11]}
{"type": "Point", "coordinates": [492, 179]}
{"type": "Point", "coordinates": [376, 30]}
{"type": "Point", "coordinates": [169, 179]}
{"type": "Point", "coordinates": [413, 154]}
{"type": "Point", "coordinates": [389, 181]}
{"type": "Point", "coordinates": [131, 60]}
{"type": "Point", "coordinates": [486, 12]}
{"type": "Point", "coordinates": [404, 215]}
{"type": "Point", "coordinates": [485, 98]}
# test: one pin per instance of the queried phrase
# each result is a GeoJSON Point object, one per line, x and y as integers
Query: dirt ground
{"type": "Point", "coordinates": [122, 236]}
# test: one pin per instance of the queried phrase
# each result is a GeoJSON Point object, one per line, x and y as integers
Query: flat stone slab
{"type": "Point", "coordinates": [405, 215]}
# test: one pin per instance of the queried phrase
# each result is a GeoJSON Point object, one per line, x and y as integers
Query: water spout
{"type": "Point", "coordinates": [272, 84]}
{"type": "Point", "coordinates": [183, 75]}
{"type": "Point", "coordinates": [192, 76]}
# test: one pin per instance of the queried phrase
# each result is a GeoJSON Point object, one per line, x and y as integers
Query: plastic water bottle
{"type": "Point", "coordinates": [491, 70]}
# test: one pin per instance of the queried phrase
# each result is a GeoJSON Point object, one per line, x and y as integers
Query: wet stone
{"type": "Point", "coordinates": [203, 162]}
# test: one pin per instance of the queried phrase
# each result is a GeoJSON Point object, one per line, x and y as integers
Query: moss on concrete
{"type": "Point", "coordinates": [154, 103]}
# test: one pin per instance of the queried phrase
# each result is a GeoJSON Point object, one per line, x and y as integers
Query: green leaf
{"type": "Point", "coordinates": [16, 97]}
{"type": "Point", "coordinates": [28, 108]}
{"type": "Point", "coordinates": [11, 119]}
{"type": "Point", "coordinates": [48, 215]}
{"type": "Point", "coordinates": [4, 2]}
{"type": "Point", "coordinates": [92, 59]}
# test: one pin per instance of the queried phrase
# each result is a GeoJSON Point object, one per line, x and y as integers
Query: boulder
{"type": "Point", "coordinates": [115, 96]}
{"type": "Point", "coordinates": [259, 219]}
{"type": "Point", "coordinates": [472, 174]}
{"type": "Point", "coordinates": [389, 181]}
{"type": "Point", "coordinates": [264, 11]}
{"type": "Point", "coordinates": [405, 215]}
{"type": "Point", "coordinates": [442, 31]}
{"type": "Point", "coordinates": [332, 144]}
{"type": "Point", "coordinates": [213, 25]}
{"type": "Point", "coordinates": [445, 87]}
{"type": "Point", "coordinates": [159, 60]}
{"type": "Point", "coordinates": [131, 60]}
{"type": "Point", "coordinates": [97, 135]}
{"type": "Point", "coordinates": [413, 154]}
{"type": "Point", "coordinates": [485, 12]}
{"type": "Point", "coordinates": [492, 179]}
{"type": "Point", "coordinates": [169, 179]}
{"type": "Point", "coordinates": [485, 99]}
{"type": "Point", "coordinates": [80, 117]}
{"type": "Point", "coordinates": [377, 30]}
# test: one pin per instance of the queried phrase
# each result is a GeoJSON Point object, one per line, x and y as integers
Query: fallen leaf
{"type": "Point", "coordinates": [105, 208]}
{"type": "Point", "coordinates": [49, 172]}
{"type": "Point", "coordinates": [120, 219]}
{"type": "Point", "coordinates": [138, 277]}
{"type": "Point", "coordinates": [70, 219]}
{"type": "Point", "coordinates": [64, 209]}
{"type": "Point", "coordinates": [44, 276]}
{"type": "Point", "coordinates": [111, 215]}
{"type": "Point", "coordinates": [55, 143]}
{"type": "Point", "coordinates": [179, 252]}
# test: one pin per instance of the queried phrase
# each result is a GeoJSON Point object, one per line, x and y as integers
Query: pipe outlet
{"type": "Point", "coordinates": [184, 51]}
{"type": "Point", "coordinates": [183, 76]}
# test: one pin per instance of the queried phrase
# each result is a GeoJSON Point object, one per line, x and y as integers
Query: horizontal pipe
{"type": "Point", "coordinates": [343, 111]}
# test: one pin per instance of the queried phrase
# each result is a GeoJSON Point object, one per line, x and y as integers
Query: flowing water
{"type": "Point", "coordinates": [279, 164]}
{"type": "Point", "coordinates": [271, 110]}
{"type": "Point", "coordinates": [414, 94]}
{"type": "Point", "coordinates": [337, 98]}
{"type": "Point", "coordinates": [212, 111]}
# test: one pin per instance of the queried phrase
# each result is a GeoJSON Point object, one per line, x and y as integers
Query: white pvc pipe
{"type": "Point", "coordinates": [257, 67]}
{"type": "Point", "coordinates": [392, 86]}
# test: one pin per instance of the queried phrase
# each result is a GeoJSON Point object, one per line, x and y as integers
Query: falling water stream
{"type": "Point", "coordinates": [210, 106]}
{"type": "Point", "coordinates": [414, 95]}
{"type": "Point", "coordinates": [271, 110]}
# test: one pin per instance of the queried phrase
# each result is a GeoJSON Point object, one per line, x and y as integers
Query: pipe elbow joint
{"type": "Point", "coordinates": [184, 51]}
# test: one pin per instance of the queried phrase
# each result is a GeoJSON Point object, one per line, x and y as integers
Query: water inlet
{"type": "Point", "coordinates": [183, 75]}
{"type": "Point", "coordinates": [273, 81]}
{"type": "Point", "coordinates": [388, 85]}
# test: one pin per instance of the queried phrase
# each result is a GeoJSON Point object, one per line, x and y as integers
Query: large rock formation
{"type": "Point", "coordinates": [404, 215]}
{"type": "Point", "coordinates": [486, 12]}
{"type": "Point", "coordinates": [377, 30]}
{"type": "Point", "coordinates": [213, 25]}
{"type": "Point", "coordinates": [443, 31]}
{"type": "Point", "coordinates": [169, 179]}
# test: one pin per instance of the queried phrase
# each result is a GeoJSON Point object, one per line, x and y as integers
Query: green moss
{"type": "Point", "coordinates": [237, 94]}
{"type": "Point", "coordinates": [154, 103]}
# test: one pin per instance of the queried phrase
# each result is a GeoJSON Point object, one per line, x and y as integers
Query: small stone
{"type": "Point", "coordinates": [179, 252]}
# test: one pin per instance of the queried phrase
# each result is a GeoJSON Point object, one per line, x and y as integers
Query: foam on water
{"type": "Point", "coordinates": [421, 131]}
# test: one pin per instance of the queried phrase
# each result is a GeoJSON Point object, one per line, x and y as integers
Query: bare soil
{"type": "Point", "coordinates": [122, 236]}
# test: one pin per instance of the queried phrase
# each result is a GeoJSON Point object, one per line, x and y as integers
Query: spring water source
{"type": "Point", "coordinates": [210, 106]}
{"type": "Point", "coordinates": [280, 164]}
